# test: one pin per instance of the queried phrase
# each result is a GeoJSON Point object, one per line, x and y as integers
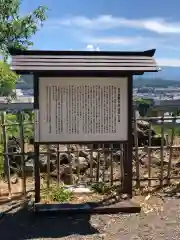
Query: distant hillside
{"type": "Point", "coordinates": [27, 82]}
{"type": "Point", "coordinates": [166, 73]}
{"type": "Point", "coordinates": [151, 82]}
{"type": "Point", "coordinates": [139, 81]}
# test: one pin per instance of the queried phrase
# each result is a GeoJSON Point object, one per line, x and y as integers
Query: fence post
{"type": "Point", "coordinates": [149, 153]}
{"type": "Point", "coordinates": [20, 117]}
{"type": "Point", "coordinates": [171, 151]}
{"type": "Point", "coordinates": [6, 158]}
{"type": "Point", "coordinates": [136, 150]}
{"type": "Point", "coordinates": [127, 181]}
{"type": "Point", "coordinates": [162, 151]}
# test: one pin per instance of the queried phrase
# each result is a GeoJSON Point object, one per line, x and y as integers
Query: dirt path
{"type": "Point", "coordinates": [158, 220]}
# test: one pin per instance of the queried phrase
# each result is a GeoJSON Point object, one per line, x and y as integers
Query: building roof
{"type": "Point", "coordinates": [28, 61]}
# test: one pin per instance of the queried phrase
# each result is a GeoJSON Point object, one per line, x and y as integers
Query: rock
{"type": "Point", "coordinates": [83, 153]}
{"type": "Point", "coordinates": [177, 164]}
{"type": "Point", "coordinates": [143, 124]}
{"type": "Point", "coordinates": [53, 156]}
{"type": "Point", "coordinates": [80, 190]}
{"type": "Point", "coordinates": [73, 148]}
{"type": "Point", "coordinates": [29, 166]}
{"type": "Point", "coordinates": [43, 161]}
{"type": "Point", "coordinates": [79, 163]}
{"type": "Point", "coordinates": [30, 155]}
{"type": "Point", "coordinates": [95, 155]}
{"type": "Point", "coordinates": [165, 162]}
{"type": "Point", "coordinates": [124, 196]}
{"type": "Point", "coordinates": [52, 149]}
{"type": "Point", "coordinates": [64, 158]}
{"type": "Point", "coordinates": [157, 141]}
{"type": "Point", "coordinates": [82, 162]}
{"type": "Point", "coordinates": [65, 173]}
{"type": "Point", "coordinates": [143, 130]}
{"type": "Point", "coordinates": [155, 161]}
{"type": "Point", "coordinates": [14, 179]}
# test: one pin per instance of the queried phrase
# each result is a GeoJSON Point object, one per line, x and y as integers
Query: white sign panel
{"type": "Point", "coordinates": [82, 110]}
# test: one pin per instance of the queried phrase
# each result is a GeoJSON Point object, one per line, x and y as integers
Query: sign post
{"type": "Point", "coordinates": [83, 97]}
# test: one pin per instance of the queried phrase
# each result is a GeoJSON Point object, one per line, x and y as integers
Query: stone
{"type": "Point", "coordinates": [14, 179]}
{"type": "Point", "coordinates": [83, 153]}
{"type": "Point", "coordinates": [80, 190]}
{"type": "Point", "coordinates": [177, 164]}
{"type": "Point", "coordinates": [53, 156]}
{"type": "Point", "coordinates": [95, 155]}
{"type": "Point", "coordinates": [64, 158]}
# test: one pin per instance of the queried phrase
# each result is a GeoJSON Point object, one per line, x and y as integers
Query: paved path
{"type": "Point", "coordinates": [160, 224]}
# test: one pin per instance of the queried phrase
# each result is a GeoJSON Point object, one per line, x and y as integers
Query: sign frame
{"type": "Point", "coordinates": [41, 124]}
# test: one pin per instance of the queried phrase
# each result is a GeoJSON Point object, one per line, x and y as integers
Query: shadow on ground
{"type": "Point", "coordinates": [28, 225]}
{"type": "Point", "coordinates": [166, 190]}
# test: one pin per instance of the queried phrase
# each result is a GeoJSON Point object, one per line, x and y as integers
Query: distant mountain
{"type": "Point", "coordinates": [167, 73]}
{"type": "Point", "coordinates": [140, 82]}
{"type": "Point", "coordinates": [169, 76]}
{"type": "Point", "coordinates": [26, 82]}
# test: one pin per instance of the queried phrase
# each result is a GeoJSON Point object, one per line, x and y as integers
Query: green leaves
{"type": "Point", "coordinates": [16, 32]}
{"type": "Point", "coordinates": [8, 80]}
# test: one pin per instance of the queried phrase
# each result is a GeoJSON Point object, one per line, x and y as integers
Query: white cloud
{"type": "Point", "coordinates": [91, 47]}
{"type": "Point", "coordinates": [170, 62]}
{"type": "Point", "coordinates": [125, 41]}
{"type": "Point", "coordinates": [166, 62]}
{"type": "Point", "coordinates": [114, 40]}
{"type": "Point", "coordinates": [103, 22]}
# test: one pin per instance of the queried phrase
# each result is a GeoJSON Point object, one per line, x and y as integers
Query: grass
{"type": "Point", "coordinates": [167, 129]}
{"type": "Point", "coordinates": [58, 194]}
{"type": "Point", "coordinates": [14, 130]}
{"type": "Point", "coordinates": [103, 188]}
{"type": "Point", "coordinates": [1, 162]}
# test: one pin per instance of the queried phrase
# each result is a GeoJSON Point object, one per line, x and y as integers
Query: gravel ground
{"type": "Point", "coordinates": [158, 220]}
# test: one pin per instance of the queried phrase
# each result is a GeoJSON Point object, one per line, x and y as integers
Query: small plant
{"type": "Point", "coordinates": [59, 194]}
{"type": "Point", "coordinates": [103, 188]}
{"type": "Point", "coordinates": [1, 162]}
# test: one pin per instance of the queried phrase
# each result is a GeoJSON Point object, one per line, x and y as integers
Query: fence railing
{"type": "Point", "coordinates": [169, 136]}
{"type": "Point", "coordinates": [77, 164]}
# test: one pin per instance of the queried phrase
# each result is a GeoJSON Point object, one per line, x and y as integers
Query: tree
{"type": "Point", "coordinates": [8, 80]}
{"type": "Point", "coordinates": [16, 32]}
{"type": "Point", "coordinates": [143, 105]}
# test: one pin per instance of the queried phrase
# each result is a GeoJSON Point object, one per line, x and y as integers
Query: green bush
{"type": "Point", "coordinates": [102, 188]}
{"type": "Point", "coordinates": [1, 162]}
{"type": "Point", "coordinates": [58, 194]}
{"type": "Point", "coordinates": [167, 129]}
{"type": "Point", "coordinates": [14, 130]}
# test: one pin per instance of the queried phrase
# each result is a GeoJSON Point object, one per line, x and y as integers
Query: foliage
{"type": "Point", "coordinates": [176, 113]}
{"type": "Point", "coordinates": [15, 32]}
{"type": "Point", "coordinates": [154, 112]}
{"type": "Point", "coordinates": [103, 188]}
{"type": "Point", "coordinates": [8, 80]}
{"type": "Point", "coordinates": [14, 130]}
{"type": "Point", "coordinates": [58, 194]}
{"type": "Point", "coordinates": [144, 100]}
{"type": "Point", "coordinates": [143, 105]}
{"type": "Point", "coordinates": [1, 162]}
{"type": "Point", "coordinates": [167, 129]}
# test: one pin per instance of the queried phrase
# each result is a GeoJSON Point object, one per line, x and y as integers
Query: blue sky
{"type": "Point", "coordinates": [111, 25]}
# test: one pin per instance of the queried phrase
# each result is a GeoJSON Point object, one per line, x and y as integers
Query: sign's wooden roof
{"type": "Point", "coordinates": [43, 61]}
